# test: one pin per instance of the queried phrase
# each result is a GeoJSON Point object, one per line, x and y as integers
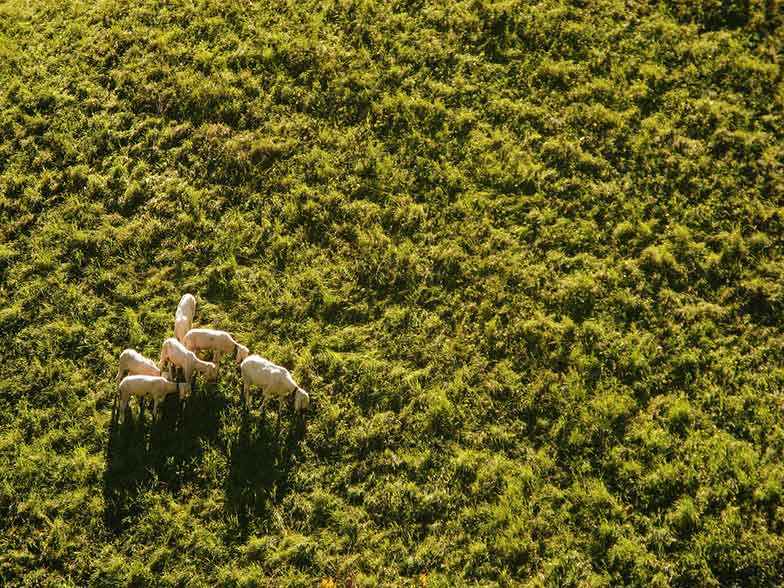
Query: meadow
{"type": "Point", "coordinates": [526, 257]}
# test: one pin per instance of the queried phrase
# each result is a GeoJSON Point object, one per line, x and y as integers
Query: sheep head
{"type": "Point", "coordinates": [242, 353]}
{"type": "Point", "coordinates": [211, 373]}
{"type": "Point", "coordinates": [184, 389]}
{"type": "Point", "coordinates": [301, 400]}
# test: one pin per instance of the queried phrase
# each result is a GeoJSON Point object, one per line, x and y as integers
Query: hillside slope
{"type": "Point", "coordinates": [526, 257]}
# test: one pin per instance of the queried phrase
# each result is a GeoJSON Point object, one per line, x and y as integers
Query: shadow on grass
{"type": "Point", "coordinates": [167, 452]}
{"type": "Point", "coordinates": [260, 462]}
{"type": "Point", "coordinates": [142, 449]}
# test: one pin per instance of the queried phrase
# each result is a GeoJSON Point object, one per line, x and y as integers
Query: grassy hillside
{"type": "Point", "coordinates": [526, 257]}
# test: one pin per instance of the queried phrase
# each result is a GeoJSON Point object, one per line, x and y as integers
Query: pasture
{"type": "Point", "coordinates": [526, 258]}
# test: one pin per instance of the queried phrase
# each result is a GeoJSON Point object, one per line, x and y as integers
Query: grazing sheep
{"type": "Point", "coordinates": [218, 341]}
{"type": "Point", "coordinates": [154, 387]}
{"type": "Point", "coordinates": [275, 382]}
{"type": "Point", "coordinates": [174, 353]}
{"type": "Point", "coordinates": [184, 317]}
{"type": "Point", "coordinates": [134, 363]}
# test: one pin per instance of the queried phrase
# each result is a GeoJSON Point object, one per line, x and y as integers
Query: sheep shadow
{"type": "Point", "coordinates": [142, 451]}
{"type": "Point", "coordinates": [125, 466]}
{"type": "Point", "coordinates": [200, 417]}
{"type": "Point", "coordinates": [166, 452]}
{"type": "Point", "coordinates": [261, 458]}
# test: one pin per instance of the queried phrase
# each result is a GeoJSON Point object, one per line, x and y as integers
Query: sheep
{"type": "Point", "coordinates": [184, 317]}
{"type": "Point", "coordinates": [155, 387]}
{"type": "Point", "coordinates": [134, 363]}
{"type": "Point", "coordinates": [220, 342]}
{"type": "Point", "coordinates": [274, 381]}
{"type": "Point", "coordinates": [174, 353]}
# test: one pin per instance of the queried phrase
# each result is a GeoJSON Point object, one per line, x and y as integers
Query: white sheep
{"type": "Point", "coordinates": [184, 316]}
{"type": "Point", "coordinates": [220, 342]}
{"type": "Point", "coordinates": [275, 382]}
{"type": "Point", "coordinates": [174, 353]}
{"type": "Point", "coordinates": [154, 387]}
{"type": "Point", "coordinates": [134, 363]}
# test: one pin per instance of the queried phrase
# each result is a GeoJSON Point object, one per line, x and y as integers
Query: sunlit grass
{"type": "Point", "coordinates": [525, 257]}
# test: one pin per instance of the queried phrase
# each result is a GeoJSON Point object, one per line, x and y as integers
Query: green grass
{"type": "Point", "coordinates": [526, 257]}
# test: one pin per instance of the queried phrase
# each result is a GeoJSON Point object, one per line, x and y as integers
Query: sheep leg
{"type": "Point", "coordinates": [189, 376]}
{"type": "Point", "coordinates": [117, 397]}
{"type": "Point", "coordinates": [280, 411]}
{"type": "Point", "coordinates": [123, 407]}
{"type": "Point", "coordinates": [246, 393]}
{"type": "Point", "coordinates": [263, 402]}
{"type": "Point", "coordinates": [116, 406]}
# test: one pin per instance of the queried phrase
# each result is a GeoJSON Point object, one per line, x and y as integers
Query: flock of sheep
{"type": "Point", "coordinates": [141, 377]}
